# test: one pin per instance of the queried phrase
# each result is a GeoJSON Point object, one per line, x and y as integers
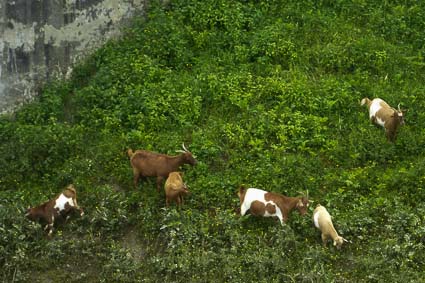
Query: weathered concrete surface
{"type": "Point", "coordinates": [41, 39]}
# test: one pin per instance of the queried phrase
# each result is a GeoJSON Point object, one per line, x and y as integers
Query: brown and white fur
{"type": "Point", "coordinates": [267, 204]}
{"type": "Point", "coordinates": [322, 220]}
{"type": "Point", "coordinates": [60, 207]}
{"type": "Point", "coordinates": [381, 114]}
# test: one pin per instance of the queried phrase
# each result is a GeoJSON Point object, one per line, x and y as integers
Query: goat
{"type": "Point", "coordinates": [58, 208]}
{"type": "Point", "coordinates": [323, 221]}
{"type": "Point", "coordinates": [381, 114]}
{"type": "Point", "coordinates": [263, 203]}
{"type": "Point", "coordinates": [151, 164]}
{"type": "Point", "coordinates": [175, 188]}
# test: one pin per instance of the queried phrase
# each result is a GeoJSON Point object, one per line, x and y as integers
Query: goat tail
{"type": "Point", "coordinates": [130, 152]}
{"type": "Point", "coordinates": [242, 191]}
{"type": "Point", "coordinates": [242, 188]}
{"type": "Point", "coordinates": [365, 101]}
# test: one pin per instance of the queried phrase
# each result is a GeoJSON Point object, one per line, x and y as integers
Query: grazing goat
{"type": "Point", "coordinates": [322, 220]}
{"type": "Point", "coordinates": [58, 208]}
{"type": "Point", "coordinates": [151, 164]}
{"type": "Point", "coordinates": [381, 114]}
{"type": "Point", "coordinates": [262, 203]}
{"type": "Point", "coordinates": [175, 188]}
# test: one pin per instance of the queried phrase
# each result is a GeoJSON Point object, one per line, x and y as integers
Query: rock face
{"type": "Point", "coordinates": [42, 39]}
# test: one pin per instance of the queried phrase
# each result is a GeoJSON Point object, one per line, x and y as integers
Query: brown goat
{"type": "Point", "coordinates": [263, 203]}
{"type": "Point", "coordinates": [55, 209]}
{"type": "Point", "coordinates": [175, 188]}
{"type": "Point", "coordinates": [151, 164]}
{"type": "Point", "coordinates": [381, 114]}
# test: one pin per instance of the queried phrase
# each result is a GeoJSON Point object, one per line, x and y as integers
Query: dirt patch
{"type": "Point", "coordinates": [134, 244]}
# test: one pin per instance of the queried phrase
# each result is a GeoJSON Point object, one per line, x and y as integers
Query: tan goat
{"type": "Point", "coordinates": [322, 220]}
{"type": "Point", "coordinates": [175, 188]}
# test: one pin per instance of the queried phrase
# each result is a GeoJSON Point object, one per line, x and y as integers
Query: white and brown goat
{"type": "Point", "coordinates": [175, 189]}
{"type": "Point", "coordinates": [267, 204]}
{"type": "Point", "coordinates": [323, 221]}
{"type": "Point", "coordinates": [381, 114]}
{"type": "Point", "coordinates": [59, 208]}
{"type": "Point", "coordinates": [151, 164]}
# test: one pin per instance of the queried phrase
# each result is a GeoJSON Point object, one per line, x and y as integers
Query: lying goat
{"type": "Point", "coordinates": [381, 114]}
{"type": "Point", "coordinates": [151, 164]}
{"type": "Point", "coordinates": [322, 220]}
{"type": "Point", "coordinates": [262, 203]}
{"type": "Point", "coordinates": [59, 208]}
{"type": "Point", "coordinates": [175, 189]}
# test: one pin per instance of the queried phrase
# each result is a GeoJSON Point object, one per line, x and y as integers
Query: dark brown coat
{"type": "Point", "coordinates": [151, 164]}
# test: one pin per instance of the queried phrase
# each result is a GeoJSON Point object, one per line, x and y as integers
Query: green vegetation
{"type": "Point", "coordinates": [264, 93]}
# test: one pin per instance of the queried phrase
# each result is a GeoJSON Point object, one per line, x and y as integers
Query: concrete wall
{"type": "Point", "coordinates": [42, 39]}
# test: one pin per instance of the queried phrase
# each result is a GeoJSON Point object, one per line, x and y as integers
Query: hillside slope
{"type": "Point", "coordinates": [265, 94]}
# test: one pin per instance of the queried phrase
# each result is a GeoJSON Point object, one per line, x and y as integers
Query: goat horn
{"type": "Point", "coordinates": [185, 149]}
{"type": "Point", "coordinates": [398, 106]}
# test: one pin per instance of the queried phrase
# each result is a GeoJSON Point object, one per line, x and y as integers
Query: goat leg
{"type": "Point", "coordinates": [159, 180]}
